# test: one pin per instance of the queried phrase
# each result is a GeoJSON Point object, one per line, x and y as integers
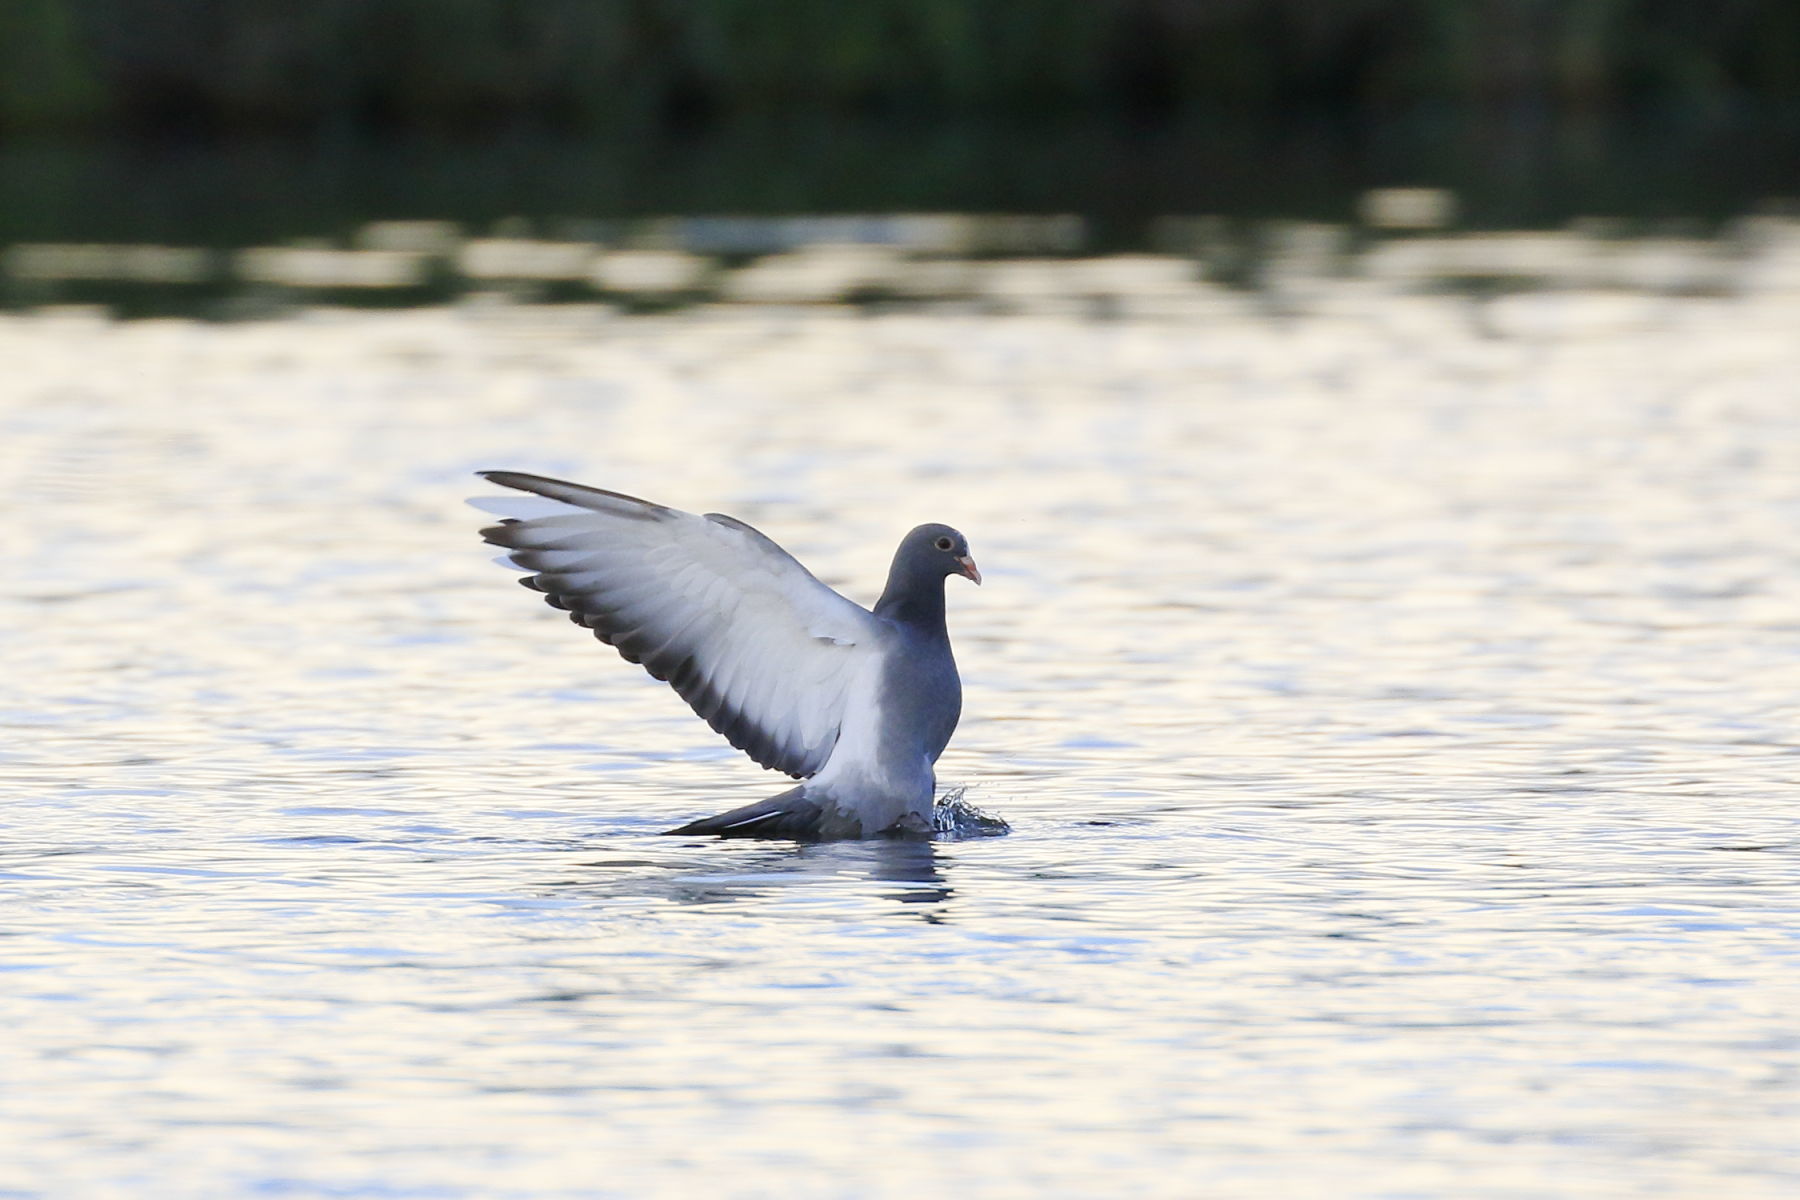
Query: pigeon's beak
{"type": "Point", "coordinates": [969, 568]}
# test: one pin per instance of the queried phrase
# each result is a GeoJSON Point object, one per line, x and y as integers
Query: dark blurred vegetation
{"type": "Point", "coordinates": [221, 121]}
{"type": "Point", "coordinates": [585, 66]}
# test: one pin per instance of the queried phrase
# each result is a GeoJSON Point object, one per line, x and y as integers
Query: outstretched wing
{"type": "Point", "coordinates": [761, 649]}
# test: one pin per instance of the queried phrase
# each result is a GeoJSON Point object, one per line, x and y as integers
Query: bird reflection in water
{"type": "Point", "coordinates": [913, 865]}
{"type": "Point", "coordinates": [758, 870]}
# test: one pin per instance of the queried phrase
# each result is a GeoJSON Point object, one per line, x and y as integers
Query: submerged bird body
{"type": "Point", "coordinates": [856, 704]}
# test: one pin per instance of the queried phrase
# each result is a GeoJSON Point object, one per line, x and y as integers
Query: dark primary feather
{"type": "Point", "coordinates": [789, 815]}
{"type": "Point", "coordinates": [579, 494]}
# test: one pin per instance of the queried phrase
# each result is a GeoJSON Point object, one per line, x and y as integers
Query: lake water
{"type": "Point", "coordinates": [1393, 697]}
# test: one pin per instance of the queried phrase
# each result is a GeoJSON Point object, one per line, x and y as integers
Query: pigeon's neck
{"type": "Point", "coordinates": [914, 598]}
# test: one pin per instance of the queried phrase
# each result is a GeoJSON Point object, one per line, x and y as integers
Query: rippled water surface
{"type": "Point", "coordinates": [1393, 698]}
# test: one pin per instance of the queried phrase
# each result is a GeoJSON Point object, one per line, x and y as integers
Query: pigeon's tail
{"type": "Point", "coordinates": [790, 815]}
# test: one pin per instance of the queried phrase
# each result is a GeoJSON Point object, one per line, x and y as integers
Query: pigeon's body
{"type": "Point", "coordinates": [857, 704]}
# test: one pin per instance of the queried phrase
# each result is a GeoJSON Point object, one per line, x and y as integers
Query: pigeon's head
{"type": "Point", "coordinates": [944, 548]}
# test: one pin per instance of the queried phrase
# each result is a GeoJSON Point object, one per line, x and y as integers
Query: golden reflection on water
{"type": "Point", "coordinates": [1393, 697]}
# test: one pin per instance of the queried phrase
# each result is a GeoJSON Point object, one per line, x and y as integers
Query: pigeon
{"type": "Point", "coordinates": [856, 704]}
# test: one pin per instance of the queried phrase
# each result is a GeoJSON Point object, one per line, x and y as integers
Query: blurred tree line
{"type": "Point", "coordinates": [579, 66]}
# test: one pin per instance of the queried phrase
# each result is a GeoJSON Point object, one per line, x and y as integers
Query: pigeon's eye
{"type": "Point", "coordinates": [944, 543]}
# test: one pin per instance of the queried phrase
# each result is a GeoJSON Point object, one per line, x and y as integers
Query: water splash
{"type": "Point", "coordinates": [953, 818]}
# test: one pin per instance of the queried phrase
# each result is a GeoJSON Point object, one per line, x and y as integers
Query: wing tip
{"type": "Point", "coordinates": [579, 494]}
{"type": "Point", "coordinates": [496, 535]}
